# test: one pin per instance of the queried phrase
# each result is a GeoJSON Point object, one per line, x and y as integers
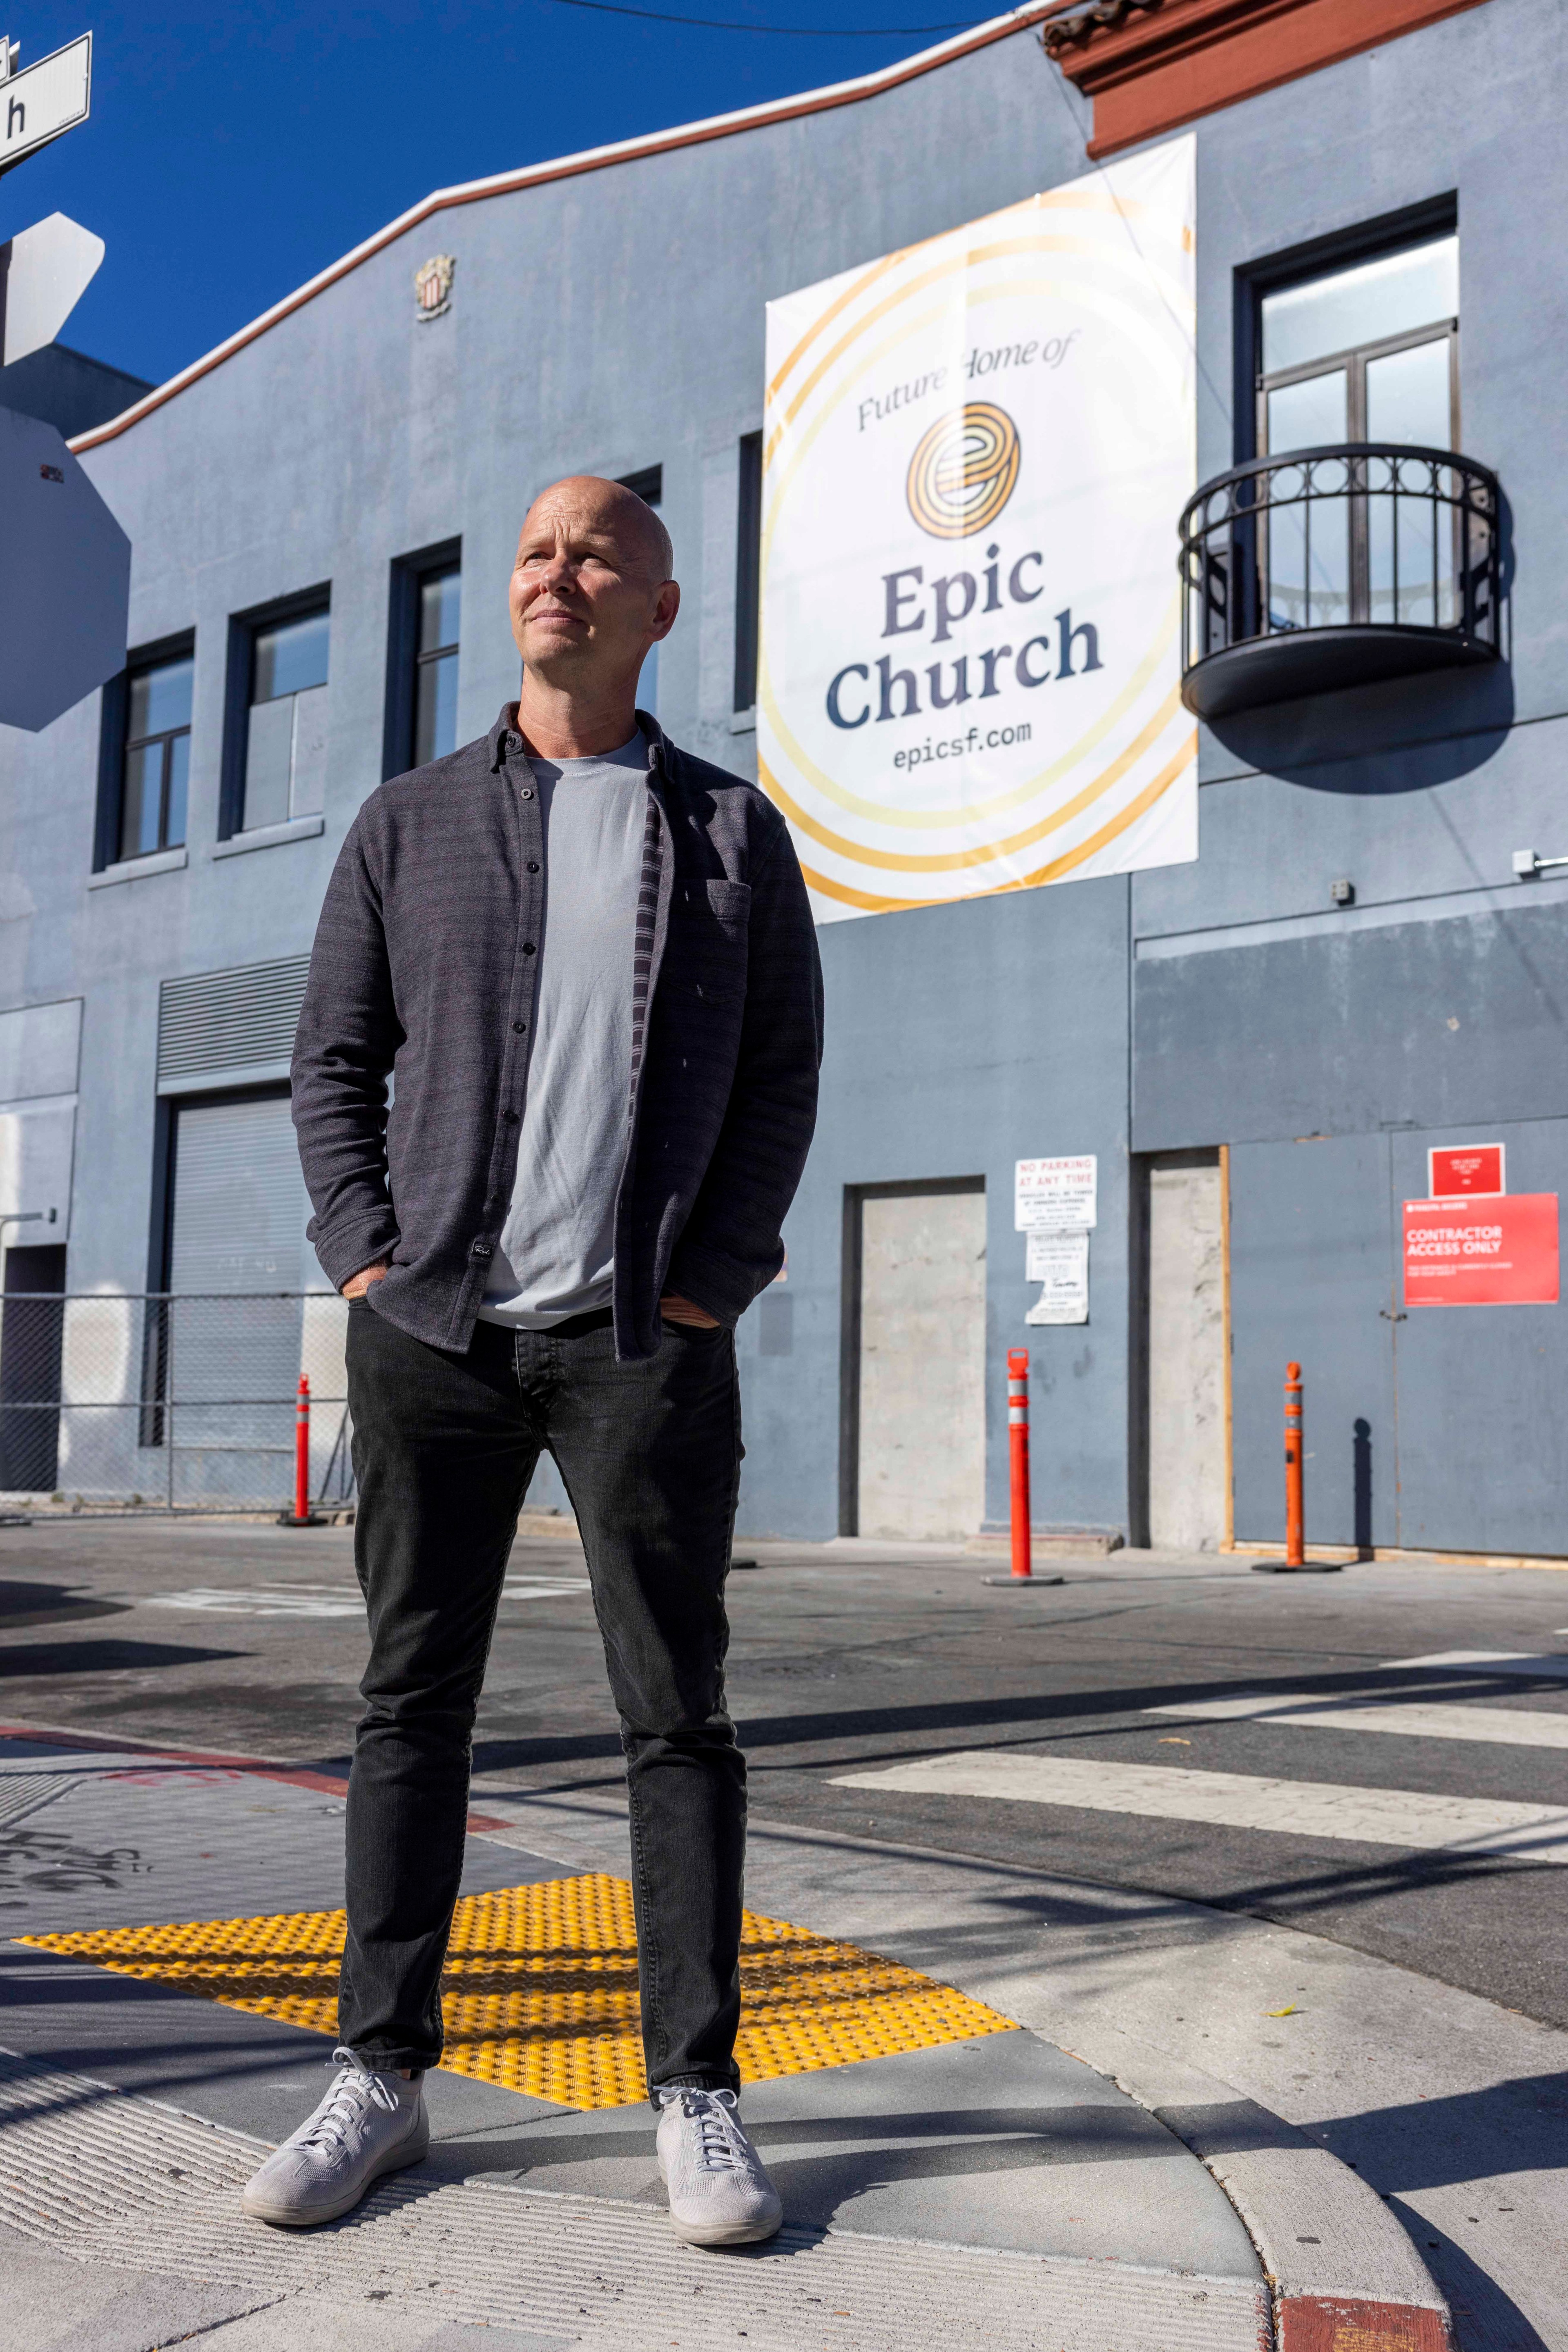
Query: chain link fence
{"type": "Point", "coordinates": [170, 1402]}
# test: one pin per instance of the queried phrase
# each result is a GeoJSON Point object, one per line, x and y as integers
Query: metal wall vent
{"type": "Point", "coordinates": [218, 1021]}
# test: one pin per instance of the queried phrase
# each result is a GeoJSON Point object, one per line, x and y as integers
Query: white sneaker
{"type": "Point", "coordinates": [719, 2193]}
{"type": "Point", "coordinates": [366, 2126]}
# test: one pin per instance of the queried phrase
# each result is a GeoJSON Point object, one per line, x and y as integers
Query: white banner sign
{"type": "Point", "coordinates": [975, 453]}
{"type": "Point", "coordinates": [1055, 1196]}
{"type": "Point", "coordinates": [1061, 1261]}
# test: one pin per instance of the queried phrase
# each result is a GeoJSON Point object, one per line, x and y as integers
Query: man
{"type": "Point", "coordinates": [588, 962]}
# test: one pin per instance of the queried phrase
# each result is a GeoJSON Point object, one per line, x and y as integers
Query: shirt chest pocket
{"type": "Point", "coordinates": [710, 923]}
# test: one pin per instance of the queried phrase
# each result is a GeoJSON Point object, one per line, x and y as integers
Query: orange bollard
{"type": "Point", "coordinates": [1017, 1458]}
{"type": "Point", "coordinates": [1295, 1539]}
{"type": "Point", "coordinates": [302, 1454]}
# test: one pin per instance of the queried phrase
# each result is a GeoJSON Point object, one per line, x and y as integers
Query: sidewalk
{"type": "Point", "coordinates": [953, 2174]}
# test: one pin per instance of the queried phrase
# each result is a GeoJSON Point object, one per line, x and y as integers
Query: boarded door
{"type": "Point", "coordinates": [1188, 1453]}
{"type": "Point", "coordinates": [921, 1451]}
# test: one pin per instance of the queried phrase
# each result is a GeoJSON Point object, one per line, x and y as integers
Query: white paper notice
{"type": "Point", "coordinates": [1059, 1262]}
{"type": "Point", "coordinates": [1054, 1196]}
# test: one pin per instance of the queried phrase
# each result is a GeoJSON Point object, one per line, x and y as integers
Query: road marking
{"type": "Point", "coordinates": [1552, 1663]}
{"type": "Point", "coordinates": [1238, 1801]}
{"type": "Point", "coordinates": [327, 1599]}
{"type": "Point", "coordinates": [1523, 1728]}
{"type": "Point", "coordinates": [279, 1600]}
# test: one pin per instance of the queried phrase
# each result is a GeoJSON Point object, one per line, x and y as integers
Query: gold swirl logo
{"type": "Point", "coordinates": [963, 471]}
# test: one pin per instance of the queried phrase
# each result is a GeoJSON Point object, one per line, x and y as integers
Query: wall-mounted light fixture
{"type": "Point", "coordinates": [1529, 865]}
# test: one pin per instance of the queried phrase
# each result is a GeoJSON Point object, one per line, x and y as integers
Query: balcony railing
{"type": "Point", "coordinates": [1332, 567]}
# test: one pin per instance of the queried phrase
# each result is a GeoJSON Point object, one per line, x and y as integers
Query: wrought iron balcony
{"type": "Point", "coordinates": [1327, 568]}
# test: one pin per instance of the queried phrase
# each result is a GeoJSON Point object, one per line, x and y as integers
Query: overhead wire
{"type": "Point", "coordinates": [790, 32]}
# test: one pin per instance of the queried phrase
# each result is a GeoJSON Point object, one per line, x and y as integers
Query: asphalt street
{"type": "Point", "coordinates": [855, 1660]}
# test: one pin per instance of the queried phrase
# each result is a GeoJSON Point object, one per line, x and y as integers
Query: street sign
{"type": "Point", "coordinates": [44, 272]}
{"type": "Point", "coordinates": [43, 101]}
{"type": "Point", "coordinates": [65, 580]}
{"type": "Point", "coordinates": [1499, 1250]}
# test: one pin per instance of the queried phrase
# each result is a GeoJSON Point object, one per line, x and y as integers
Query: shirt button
{"type": "Point", "coordinates": [533, 866]}
{"type": "Point", "coordinates": [511, 1118]}
{"type": "Point", "coordinates": [527, 793]}
{"type": "Point", "coordinates": [520, 1027]}
{"type": "Point", "coordinates": [529, 948]}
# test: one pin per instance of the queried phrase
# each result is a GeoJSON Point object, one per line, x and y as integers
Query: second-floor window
{"type": "Point", "coordinates": [286, 737]}
{"type": "Point", "coordinates": [435, 665]}
{"type": "Point", "coordinates": [1365, 353]}
{"type": "Point", "coordinates": [157, 769]}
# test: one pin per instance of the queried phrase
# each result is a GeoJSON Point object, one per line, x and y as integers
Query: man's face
{"type": "Point", "coordinates": [588, 594]}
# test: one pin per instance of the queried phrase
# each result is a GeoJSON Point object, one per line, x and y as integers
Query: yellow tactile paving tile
{"type": "Point", "coordinates": [539, 1992]}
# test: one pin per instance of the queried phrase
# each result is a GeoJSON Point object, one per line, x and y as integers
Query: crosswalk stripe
{"type": "Point", "coordinates": [1549, 1664]}
{"type": "Point", "coordinates": [1400, 1817]}
{"type": "Point", "coordinates": [1521, 1728]}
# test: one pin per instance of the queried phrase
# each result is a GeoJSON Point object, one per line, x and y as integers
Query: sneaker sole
{"type": "Point", "coordinates": [734, 2233]}
{"type": "Point", "coordinates": [277, 2217]}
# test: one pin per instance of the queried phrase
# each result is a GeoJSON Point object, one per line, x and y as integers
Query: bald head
{"type": "Point", "coordinates": [587, 501]}
{"type": "Point", "coordinates": [592, 591]}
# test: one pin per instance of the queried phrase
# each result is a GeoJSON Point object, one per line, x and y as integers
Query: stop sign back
{"type": "Point", "coordinates": [65, 578]}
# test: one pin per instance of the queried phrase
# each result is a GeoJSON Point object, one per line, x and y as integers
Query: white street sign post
{"type": "Point", "coordinates": [43, 100]}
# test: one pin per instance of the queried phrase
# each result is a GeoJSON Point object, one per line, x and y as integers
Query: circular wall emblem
{"type": "Point", "coordinates": [963, 470]}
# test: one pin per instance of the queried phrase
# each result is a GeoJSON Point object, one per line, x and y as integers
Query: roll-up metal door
{"type": "Point", "coordinates": [240, 1207]}
{"type": "Point", "coordinates": [232, 1359]}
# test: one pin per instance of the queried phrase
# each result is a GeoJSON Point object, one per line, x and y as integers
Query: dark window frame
{"type": "Point", "coordinates": [407, 576]}
{"type": "Point", "coordinates": [1319, 256]}
{"type": "Point", "coordinates": [647, 485]}
{"type": "Point", "coordinates": [113, 743]}
{"type": "Point", "coordinates": [240, 680]}
{"type": "Point", "coordinates": [748, 572]}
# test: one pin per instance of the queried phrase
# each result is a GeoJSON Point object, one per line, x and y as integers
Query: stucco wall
{"type": "Point", "coordinates": [615, 321]}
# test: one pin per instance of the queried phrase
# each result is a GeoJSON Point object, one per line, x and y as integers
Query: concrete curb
{"type": "Point", "coordinates": [1344, 2275]}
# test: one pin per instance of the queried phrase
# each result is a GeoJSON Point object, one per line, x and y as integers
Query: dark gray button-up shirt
{"type": "Point", "coordinates": [425, 965]}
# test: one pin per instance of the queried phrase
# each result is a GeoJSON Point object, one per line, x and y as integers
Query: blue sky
{"type": "Point", "coordinates": [235, 150]}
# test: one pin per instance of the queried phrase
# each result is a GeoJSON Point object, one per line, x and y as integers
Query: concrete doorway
{"type": "Point", "coordinates": [914, 1361]}
{"type": "Point", "coordinates": [1187, 1448]}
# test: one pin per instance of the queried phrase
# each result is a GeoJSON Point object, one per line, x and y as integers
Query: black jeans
{"type": "Point", "coordinates": [445, 1446]}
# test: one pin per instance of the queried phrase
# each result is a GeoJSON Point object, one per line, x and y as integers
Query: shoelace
{"type": "Point", "coordinates": [354, 2084]}
{"type": "Point", "coordinates": [719, 2146]}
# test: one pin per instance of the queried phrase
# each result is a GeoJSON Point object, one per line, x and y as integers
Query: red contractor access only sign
{"type": "Point", "coordinates": [1496, 1251]}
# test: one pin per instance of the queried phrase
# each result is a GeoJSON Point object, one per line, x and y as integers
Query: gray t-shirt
{"type": "Point", "coordinates": [556, 1251]}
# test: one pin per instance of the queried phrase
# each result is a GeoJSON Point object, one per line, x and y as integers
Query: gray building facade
{"type": "Point", "coordinates": [1259, 1064]}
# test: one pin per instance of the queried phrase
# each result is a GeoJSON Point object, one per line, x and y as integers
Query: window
{"type": "Point", "coordinates": [155, 767]}
{"type": "Point", "coordinates": [435, 668]}
{"type": "Point", "coordinates": [285, 741]}
{"type": "Point", "coordinates": [274, 750]}
{"type": "Point", "coordinates": [649, 486]}
{"type": "Point", "coordinates": [1364, 353]}
{"type": "Point", "coordinates": [422, 633]}
{"type": "Point", "coordinates": [748, 570]}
